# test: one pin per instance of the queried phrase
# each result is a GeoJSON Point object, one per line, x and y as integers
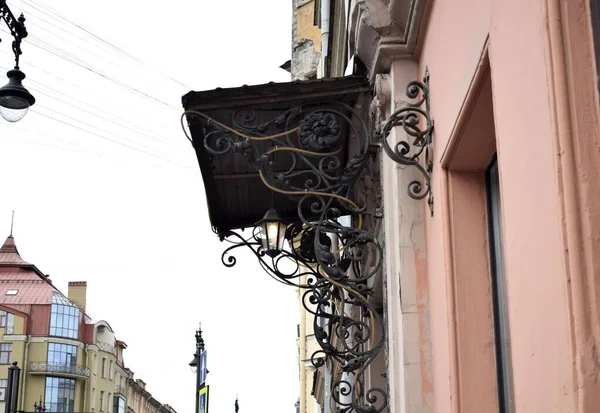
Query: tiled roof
{"type": "Point", "coordinates": [28, 291]}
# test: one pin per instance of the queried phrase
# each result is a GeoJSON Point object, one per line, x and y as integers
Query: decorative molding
{"type": "Point", "coordinates": [383, 31]}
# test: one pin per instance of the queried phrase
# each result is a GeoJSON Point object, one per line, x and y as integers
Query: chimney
{"type": "Point", "coordinates": [77, 292]}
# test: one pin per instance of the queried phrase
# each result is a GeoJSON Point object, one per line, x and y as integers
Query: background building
{"type": "Point", "coordinates": [318, 39]}
{"type": "Point", "coordinates": [68, 361]}
{"type": "Point", "coordinates": [139, 400]}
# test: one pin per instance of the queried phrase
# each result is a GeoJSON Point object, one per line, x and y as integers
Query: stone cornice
{"type": "Point", "coordinates": [381, 31]}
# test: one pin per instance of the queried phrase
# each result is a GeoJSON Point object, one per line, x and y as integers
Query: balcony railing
{"type": "Point", "coordinates": [120, 390]}
{"type": "Point", "coordinates": [58, 368]}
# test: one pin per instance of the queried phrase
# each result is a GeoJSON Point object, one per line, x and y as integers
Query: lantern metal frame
{"type": "Point", "coordinates": [272, 217]}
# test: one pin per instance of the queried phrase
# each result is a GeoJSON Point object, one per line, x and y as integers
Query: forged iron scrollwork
{"type": "Point", "coordinates": [328, 253]}
{"type": "Point", "coordinates": [416, 121]}
{"type": "Point", "coordinates": [16, 27]}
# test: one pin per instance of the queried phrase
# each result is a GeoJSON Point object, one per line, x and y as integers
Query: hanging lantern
{"type": "Point", "coordinates": [272, 233]}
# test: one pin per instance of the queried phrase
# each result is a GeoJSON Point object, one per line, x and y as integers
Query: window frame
{"type": "Point", "coordinates": [57, 350]}
{"type": "Point", "coordinates": [64, 321]}
{"type": "Point", "coordinates": [59, 389]}
{"type": "Point", "coordinates": [8, 352]}
{"type": "Point", "coordinates": [7, 321]}
{"type": "Point", "coordinates": [3, 385]}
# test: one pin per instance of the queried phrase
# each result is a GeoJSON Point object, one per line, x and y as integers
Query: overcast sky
{"type": "Point", "coordinates": [106, 188]}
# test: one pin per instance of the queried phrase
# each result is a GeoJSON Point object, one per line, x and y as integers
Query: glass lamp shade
{"type": "Point", "coordinates": [194, 364]}
{"type": "Point", "coordinates": [272, 233]}
{"type": "Point", "coordinates": [15, 100]}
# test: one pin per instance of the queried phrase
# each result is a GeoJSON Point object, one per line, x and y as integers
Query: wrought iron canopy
{"type": "Point", "coordinates": [235, 195]}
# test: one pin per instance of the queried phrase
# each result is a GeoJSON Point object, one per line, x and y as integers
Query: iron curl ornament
{"type": "Point", "coordinates": [327, 251]}
{"type": "Point", "coordinates": [415, 119]}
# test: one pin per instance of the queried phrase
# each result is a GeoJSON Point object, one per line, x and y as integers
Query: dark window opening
{"type": "Point", "coordinates": [595, 15]}
{"type": "Point", "coordinates": [499, 293]}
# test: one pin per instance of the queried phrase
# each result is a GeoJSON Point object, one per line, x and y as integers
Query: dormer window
{"type": "Point", "coordinates": [12, 292]}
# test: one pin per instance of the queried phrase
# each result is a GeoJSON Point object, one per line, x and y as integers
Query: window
{"type": "Point", "coordinates": [118, 405]}
{"type": "Point", "coordinates": [110, 370]}
{"type": "Point", "coordinates": [11, 292]}
{"type": "Point", "coordinates": [93, 399]}
{"type": "Point", "coordinates": [3, 318]}
{"type": "Point", "coordinates": [499, 293]}
{"type": "Point", "coordinates": [3, 386]}
{"type": "Point", "coordinates": [101, 401]}
{"type": "Point", "coordinates": [95, 364]}
{"type": "Point", "coordinates": [62, 356]}
{"type": "Point", "coordinates": [60, 394]}
{"type": "Point", "coordinates": [64, 321]}
{"type": "Point", "coordinates": [108, 405]}
{"type": "Point", "coordinates": [5, 353]}
{"type": "Point", "coordinates": [103, 367]}
{"type": "Point", "coordinates": [7, 320]}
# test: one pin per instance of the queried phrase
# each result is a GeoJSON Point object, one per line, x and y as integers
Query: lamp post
{"type": "Point", "coordinates": [12, 389]}
{"type": "Point", "coordinates": [196, 365]}
{"type": "Point", "coordinates": [15, 99]}
{"type": "Point", "coordinates": [39, 407]}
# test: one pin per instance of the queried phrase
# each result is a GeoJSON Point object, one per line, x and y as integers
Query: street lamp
{"type": "Point", "coordinates": [39, 407]}
{"type": "Point", "coordinates": [196, 366]}
{"type": "Point", "coordinates": [15, 99]}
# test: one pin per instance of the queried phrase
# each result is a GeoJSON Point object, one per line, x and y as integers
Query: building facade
{"type": "Point", "coordinates": [69, 362]}
{"type": "Point", "coordinates": [492, 294]}
{"type": "Point", "coordinates": [140, 400]}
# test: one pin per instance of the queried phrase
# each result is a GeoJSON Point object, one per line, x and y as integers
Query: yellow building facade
{"type": "Point", "coordinates": [68, 362]}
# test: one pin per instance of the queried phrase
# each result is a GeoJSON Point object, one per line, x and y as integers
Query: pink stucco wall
{"type": "Point", "coordinates": [555, 366]}
{"type": "Point", "coordinates": [451, 50]}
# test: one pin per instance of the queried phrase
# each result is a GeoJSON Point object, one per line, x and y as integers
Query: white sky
{"type": "Point", "coordinates": [116, 197]}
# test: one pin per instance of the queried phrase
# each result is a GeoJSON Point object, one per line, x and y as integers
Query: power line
{"type": "Point", "coordinates": [108, 139]}
{"type": "Point", "coordinates": [101, 117]}
{"type": "Point", "coordinates": [69, 57]}
{"type": "Point", "coordinates": [102, 75]}
{"type": "Point", "coordinates": [93, 92]}
{"type": "Point", "coordinates": [50, 11]}
{"type": "Point", "coordinates": [105, 118]}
